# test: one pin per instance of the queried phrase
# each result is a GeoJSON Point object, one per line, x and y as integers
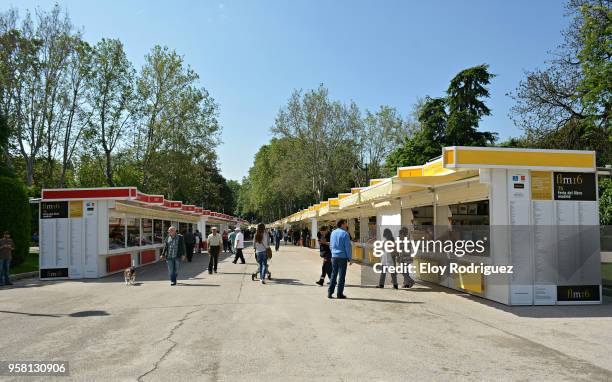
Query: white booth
{"type": "Point", "coordinates": [535, 210]}
{"type": "Point", "coordinates": [90, 233]}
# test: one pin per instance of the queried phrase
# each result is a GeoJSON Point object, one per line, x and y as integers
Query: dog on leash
{"type": "Point", "coordinates": [130, 276]}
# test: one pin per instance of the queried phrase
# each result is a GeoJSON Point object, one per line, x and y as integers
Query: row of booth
{"type": "Point", "coordinates": [536, 210]}
{"type": "Point", "coordinates": [93, 232]}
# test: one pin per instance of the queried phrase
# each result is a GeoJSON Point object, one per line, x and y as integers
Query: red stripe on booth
{"type": "Point", "coordinates": [118, 262]}
{"type": "Point", "coordinates": [86, 194]}
{"type": "Point", "coordinates": [147, 257]}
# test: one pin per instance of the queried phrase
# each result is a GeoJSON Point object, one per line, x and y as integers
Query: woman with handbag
{"type": "Point", "coordinates": [262, 250]}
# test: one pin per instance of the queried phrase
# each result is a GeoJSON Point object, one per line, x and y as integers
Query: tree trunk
{"type": "Point", "coordinates": [109, 169]}
{"type": "Point", "coordinates": [30, 170]}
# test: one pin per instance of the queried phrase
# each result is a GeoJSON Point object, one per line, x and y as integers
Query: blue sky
{"type": "Point", "coordinates": [251, 54]}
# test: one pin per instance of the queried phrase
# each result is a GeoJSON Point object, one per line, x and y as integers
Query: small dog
{"type": "Point", "coordinates": [130, 276]}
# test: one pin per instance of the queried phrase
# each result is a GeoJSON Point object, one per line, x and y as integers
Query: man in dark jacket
{"type": "Point", "coordinates": [296, 236]}
{"type": "Point", "coordinates": [173, 252]}
{"type": "Point", "coordinates": [324, 236]}
{"type": "Point", "coordinates": [190, 240]}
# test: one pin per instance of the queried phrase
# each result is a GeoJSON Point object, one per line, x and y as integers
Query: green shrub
{"type": "Point", "coordinates": [605, 201]}
{"type": "Point", "coordinates": [15, 216]}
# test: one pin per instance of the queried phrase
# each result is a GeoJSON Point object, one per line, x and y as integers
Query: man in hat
{"type": "Point", "coordinates": [214, 248]}
{"type": "Point", "coordinates": [239, 245]}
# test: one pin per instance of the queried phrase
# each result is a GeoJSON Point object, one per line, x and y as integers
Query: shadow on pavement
{"type": "Point", "coordinates": [157, 271]}
{"type": "Point", "coordinates": [31, 314]}
{"type": "Point", "coordinates": [383, 300]}
{"type": "Point", "coordinates": [84, 313]}
{"type": "Point", "coordinates": [197, 269]}
{"type": "Point", "coordinates": [89, 313]}
{"type": "Point", "coordinates": [290, 282]}
{"type": "Point", "coordinates": [27, 283]}
{"type": "Point", "coordinates": [198, 285]}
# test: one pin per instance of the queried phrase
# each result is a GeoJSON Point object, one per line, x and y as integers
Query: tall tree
{"type": "Point", "coordinates": [76, 115]}
{"type": "Point", "coordinates": [382, 132]}
{"type": "Point", "coordinates": [567, 103]}
{"type": "Point", "coordinates": [427, 140]}
{"type": "Point", "coordinates": [466, 107]}
{"type": "Point", "coordinates": [5, 169]}
{"type": "Point", "coordinates": [449, 121]}
{"type": "Point", "coordinates": [56, 34]}
{"type": "Point", "coordinates": [110, 96]}
{"type": "Point", "coordinates": [322, 128]}
{"type": "Point", "coordinates": [174, 110]}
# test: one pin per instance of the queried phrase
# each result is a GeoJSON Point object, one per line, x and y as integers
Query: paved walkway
{"type": "Point", "coordinates": [226, 327]}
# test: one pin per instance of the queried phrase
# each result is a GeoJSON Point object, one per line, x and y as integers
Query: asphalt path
{"type": "Point", "coordinates": [226, 327]}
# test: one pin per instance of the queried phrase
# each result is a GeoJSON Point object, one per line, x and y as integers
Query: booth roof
{"type": "Point", "coordinates": [130, 197]}
{"type": "Point", "coordinates": [457, 163]}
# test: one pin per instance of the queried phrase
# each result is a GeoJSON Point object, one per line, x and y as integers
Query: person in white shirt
{"type": "Point", "coordinates": [239, 246]}
{"type": "Point", "coordinates": [214, 248]}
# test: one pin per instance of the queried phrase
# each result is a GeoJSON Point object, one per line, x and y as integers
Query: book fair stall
{"type": "Point", "coordinates": [531, 213]}
{"type": "Point", "coordinates": [90, 233]}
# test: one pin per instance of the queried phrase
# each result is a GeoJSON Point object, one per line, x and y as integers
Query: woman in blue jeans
{"type": "Point", "coordinates": [262, 243]}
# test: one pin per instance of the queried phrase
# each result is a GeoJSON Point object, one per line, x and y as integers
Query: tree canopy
{"type": "Point", "coordinates": [448, 121]}
{"type": "Point", "coordinates": [80, 114]}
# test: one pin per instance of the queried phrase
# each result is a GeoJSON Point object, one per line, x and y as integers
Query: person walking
{"type": "Point", "coordinates": [190, 241]}
{"type": "Point", "coordinates": [296, 236]}
{"type": "Point", "coordinates": [173, 252]}
{"type": "Point", "coordinates": [262, 244]}
{"type": "Point", "coordinates": [232, 241]}
{"type": "Point", "coordinates": [198, 245]}
{"type": "Point", "coordinates": [239, 246]}
{"type": "Point", "coordinates": [340, 243]}
{"type": "Point", "coordinates": [305, 237]}
{"type": "Point", "coordinates": [388, 260]}
{"type": "Point", "coordinates": [324, 236]}
{"type": "Point", "coordinates": [277, 238]}
{"type": "Point", "coordinates": [405, 259]}
{"type": "Point", "coordinates": [225, 239]}
{"type": "Point", "coordinates": [7, 246]}
{"type": "Point", "coordinates": [214, 248]}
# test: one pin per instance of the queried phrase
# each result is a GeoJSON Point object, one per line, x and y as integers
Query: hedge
{"type": "Point", "coordinates": [15, 216]}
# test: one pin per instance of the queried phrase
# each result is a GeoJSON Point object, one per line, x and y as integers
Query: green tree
{"type": "Point", "coordinates": [15, 206]}
{"type": "Point", "coordinates": [566, 105]}
{"type": "Point", "coordinates": [466, 108]}
{"type": "Point", "coordinates": [178, 130]}
{"type": "Point", "coordinates": [449, 121]}
{"type": "Point", "coordinates": [320, 130]}
{"type": "Point", "coordinates": [381, 133]}
{"type": "Point", "coordinates": [5, 168]}
{"type": "Point", "coordinates": [594, 35]}
{"type": "Point", "coordinates": [15, 215]}
{"type": "Point", "coordinates": [75, 114]}
{"type": "Point", "coordinates": [605, 201]}
{"type": "Point", "coordinates": [111, 89]}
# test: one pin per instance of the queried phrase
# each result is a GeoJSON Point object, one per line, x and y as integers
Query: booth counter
{"type": "Point", "coordinates": [90, 233]}
{"type": "Point", "coordinates": [536, 210]}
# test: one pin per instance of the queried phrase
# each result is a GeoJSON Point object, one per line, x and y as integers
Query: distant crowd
{"type": "Point", "coordinates": [335, 247]}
